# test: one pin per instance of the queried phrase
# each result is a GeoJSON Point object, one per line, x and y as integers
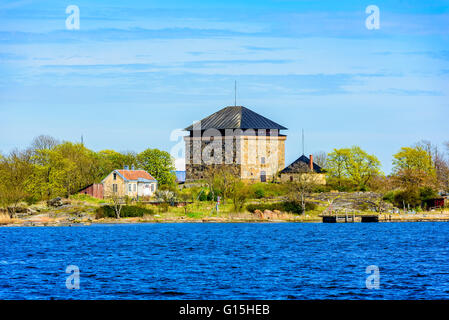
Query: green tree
{"type": "Point", "coordinates": [62, 170]}
{"type": "Point", "coordinates": [15, 172]}
{"type": "Point", "coordinates": [413, 168]}
{"type": "Point", "coordinates": [354, 165]}
{"type": "Point", "coordinates": [109, 160]}
{"type": "Point", "coordinates": [159, 164]}
{"type": "Point", "coordinates": [415, 158]}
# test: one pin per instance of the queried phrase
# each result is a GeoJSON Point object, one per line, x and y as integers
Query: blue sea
{"type": "Point", "coordinates": [227, 261]}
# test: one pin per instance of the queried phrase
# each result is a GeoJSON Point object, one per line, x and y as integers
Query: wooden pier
{"type": "Point", "coordinates": [349, 218]}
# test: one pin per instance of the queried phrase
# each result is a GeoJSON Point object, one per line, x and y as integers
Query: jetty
{"type": "Point", "coordinates": [348, 218]}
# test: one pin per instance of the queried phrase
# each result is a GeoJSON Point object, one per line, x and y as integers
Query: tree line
{"type": "Point", "coordinates": [50, 168]}
{"type": "Point", "coordinates": [419, 172]}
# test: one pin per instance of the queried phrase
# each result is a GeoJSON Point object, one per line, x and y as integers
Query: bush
{"type": "Point", "coordinates": [389, 197]}
{"type": "Point", "coordinates": [413, 197]}
{"type": "Point", "coordinates": [427, 193]}
{"type": "Point", "coordinates": [262, 190]}
{"type": "Point", "coordinates": [407, 197]}
{"type": "Point", "coordinates": [126, 211]}
{"type": "Point", "coordinates": [31, 200]}
{"type": "Point", "coordinates": [322, 188]}
{"type": "Point", "coordinates": [203, 195]}
{"type": "Point", "coordinates": [259, 193]}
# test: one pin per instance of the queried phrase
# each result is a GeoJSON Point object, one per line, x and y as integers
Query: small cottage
{"type": "Point", "coordinates": [131, 183]}
{"type": "Point", "coordinates": [301, 167]}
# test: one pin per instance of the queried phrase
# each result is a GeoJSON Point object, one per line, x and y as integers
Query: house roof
{"type": "Point", "coordinates": [301, 165]}
{"type": "Point", "coordinates": [135, 175]}
{"type": "Point", "coordinates": [237, 118]}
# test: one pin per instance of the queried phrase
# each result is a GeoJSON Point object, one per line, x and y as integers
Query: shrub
{"type": "Point", "coordinates": [408, 197]}
{"type": "Point", "coordinates": [210, 196]}
{"type": "Point", "coordinates": [259, 193]}
{"type": "Point", "coordinates": [203, 195]}
{"type": "Point", "coordinates": [126, 211]}
{"type": "Point", "coordinates": [262, 190]}
{"type": "Point", "coordinates": [31, 200]}
{"type": "Point", "coordinates": [427, 193]}
{"type": "Point", "coordinates": [322, 188]}
{"type": "Point", "coordinates": [389, 197]}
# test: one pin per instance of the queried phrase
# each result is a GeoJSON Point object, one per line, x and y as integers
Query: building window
{"type": "Point", "coordinates": [114, 188]}
{"type": "Point", "coordinates": [135, 186]}
{"type": "Point", "coordinates": [115, 176]}
{"type": "Point", "coordinates": [152, 187]}
{"type": "Point", "coordinates": [291, 178]}
{"type": "Point", "coordinates": [262, 160]}
{"type": "Point", "coordinates": [129, 187]}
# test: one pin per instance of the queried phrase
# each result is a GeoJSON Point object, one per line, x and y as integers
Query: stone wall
{"type": "Point", "coordinates": [315, 178]}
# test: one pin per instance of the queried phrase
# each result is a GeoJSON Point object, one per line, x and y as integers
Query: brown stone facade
{"type": "Point", "coordinates": [254, 156]}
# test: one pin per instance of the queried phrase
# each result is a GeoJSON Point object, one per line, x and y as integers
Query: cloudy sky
{"type": "Point", "coordinates": [136, 71]}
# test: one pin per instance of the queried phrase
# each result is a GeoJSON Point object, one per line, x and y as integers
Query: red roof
{"type": "Point", "coordinates": [135, 174]}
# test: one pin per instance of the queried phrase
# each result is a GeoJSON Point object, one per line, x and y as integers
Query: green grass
{"type": "Point", "coordinates": [87, 198]}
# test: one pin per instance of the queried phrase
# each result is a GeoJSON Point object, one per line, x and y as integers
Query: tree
{"type": "Point", "coordinates": [44, 142]}
{"type": "Point", "coordinates": [440, 163]}
{"type": "Point", "coordinates": [15, 171]}
{"type": "Point", "coordinates": [159, 164]}
{"type": "Point", "coordinates": [336, 165]}
{"type": "Point", "coordinates": [239, 192]}
{"type": "Point", "coordinates": [415, 158]}
{"type": "Point", "coordinates": [109, 160]}
{"type": "Point", "coordinates": [117, 201]}
{"type": "Point", "coordinates": [320, 158]}
{"type": "Point", "coordinates": [300, 188]}
{"type": "Point", "coordinates": [62, 170]}
{"type": "Point", "coordinates": [354, 165]}
{"type": "Point", "coordinates": [413, 168]}
{"type": "Point", "coordinates": [222, 178]}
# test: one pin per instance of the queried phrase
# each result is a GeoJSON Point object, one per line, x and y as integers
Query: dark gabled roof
{"type": "Point", "coordinates": [301, 165]}
{"type": "Point", "coordinates": [237, 118]}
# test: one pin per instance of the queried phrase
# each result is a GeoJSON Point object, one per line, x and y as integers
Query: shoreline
{"type": "Point", "coordinates": [428, 217]}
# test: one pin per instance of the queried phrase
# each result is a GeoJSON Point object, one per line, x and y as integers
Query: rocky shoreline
{"type": "Point", "coordinates": [45, 222]}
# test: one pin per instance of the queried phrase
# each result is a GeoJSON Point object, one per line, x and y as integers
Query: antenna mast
{"type": "Point", "coordinates": [235, 93]}
{"type": "Point", "coordinates": [302, 141]}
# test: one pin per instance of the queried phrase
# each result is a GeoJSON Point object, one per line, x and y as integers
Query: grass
{"type": "Point", "coordinates": [87, 198]}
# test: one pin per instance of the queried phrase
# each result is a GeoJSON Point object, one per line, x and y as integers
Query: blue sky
{"type": "Point", "coordinates": [137, 70]}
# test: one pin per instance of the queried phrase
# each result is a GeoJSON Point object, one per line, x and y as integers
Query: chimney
{"type": "Point", "coordinates": [125, 168]}
{"type": "Point", "coordinates": [311, 162]}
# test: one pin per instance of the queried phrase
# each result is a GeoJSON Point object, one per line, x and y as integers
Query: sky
{"type": "Point", "coordinates": [136, 72]}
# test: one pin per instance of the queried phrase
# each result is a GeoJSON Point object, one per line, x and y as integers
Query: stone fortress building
{"type": "Point", "coordinates": [236, 138]}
